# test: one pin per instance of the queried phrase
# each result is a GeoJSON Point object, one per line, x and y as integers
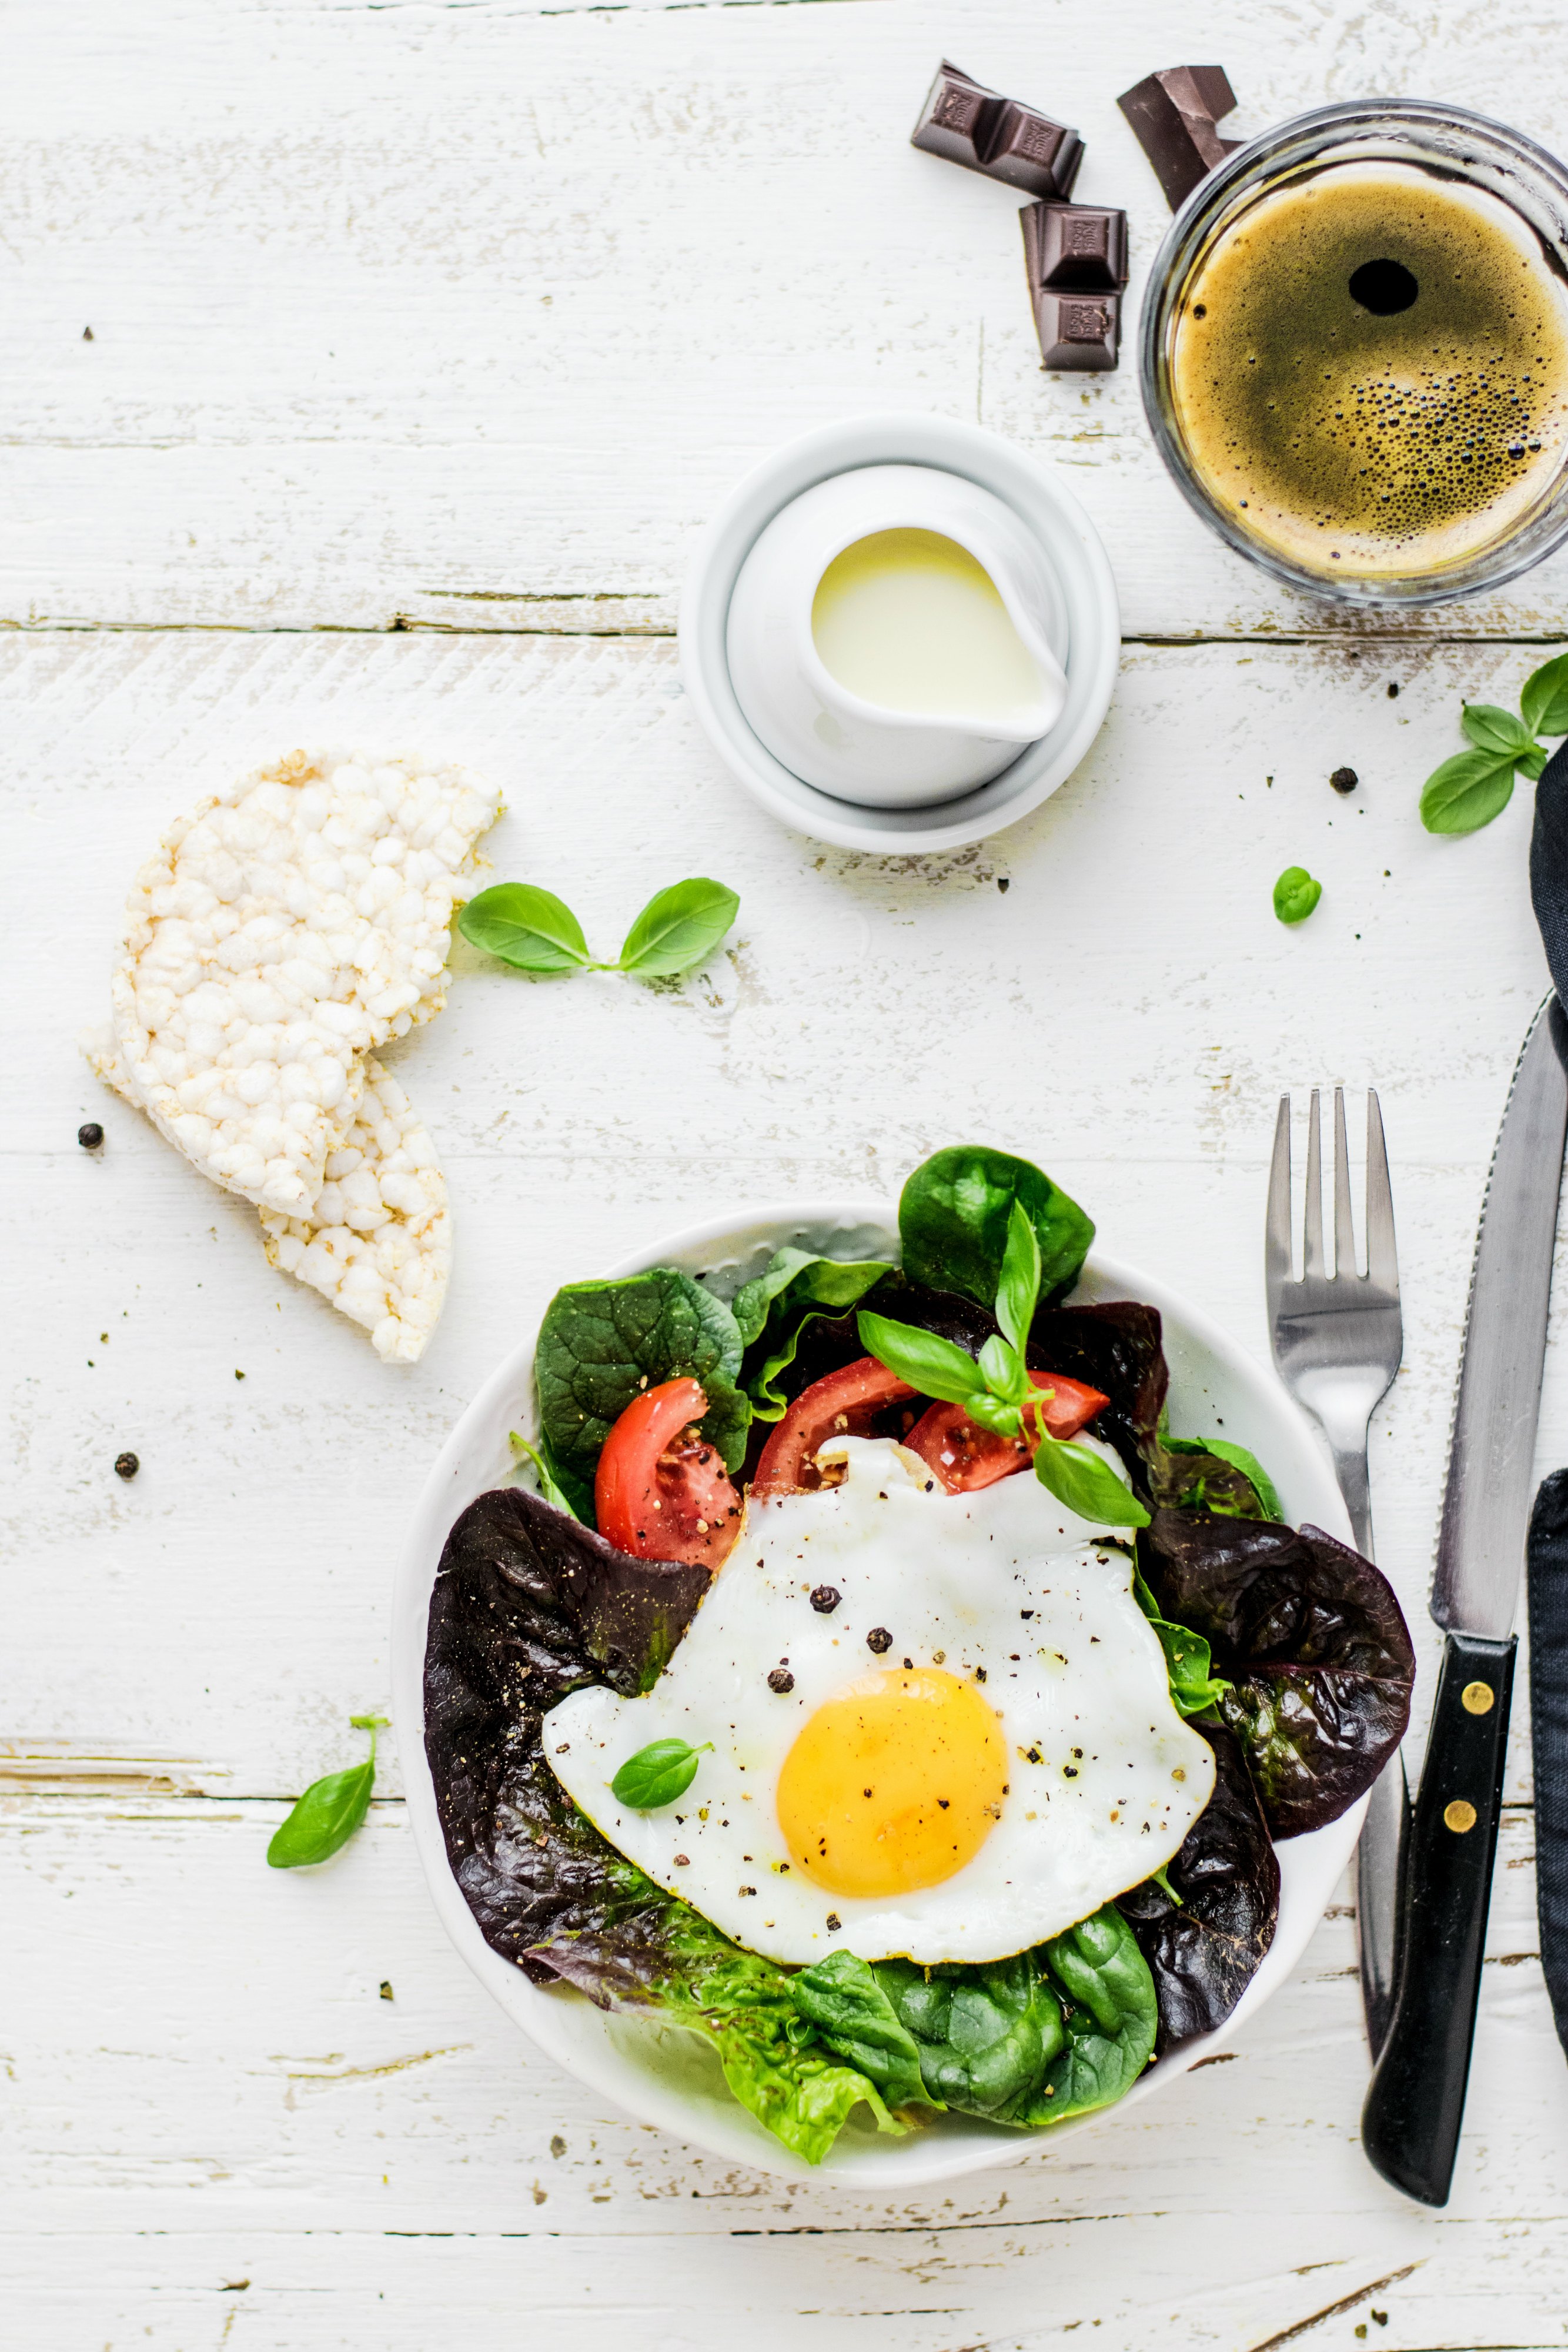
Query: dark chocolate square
{"type": "Point", "coordinates": [1174, 114]}
{"type": "Point", "coordinates": [1079, 334]}
{"type": "Point", "coordinates": [966, 123]}
{"type": "Point", "coordinates": [1075, 245]}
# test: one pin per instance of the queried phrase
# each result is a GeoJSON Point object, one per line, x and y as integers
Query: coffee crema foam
{"type": "Point", "coordinates": [1375, 442]}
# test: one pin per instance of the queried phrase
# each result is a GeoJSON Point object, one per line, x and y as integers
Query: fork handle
{"type": "Point", "coordinates": [1410, 2123]}
{"type": "Point", "coordinates": [1350, 1469]}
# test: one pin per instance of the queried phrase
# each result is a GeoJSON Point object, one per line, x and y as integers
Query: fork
{"type": "Point", "coordinates": [1337, 1341]}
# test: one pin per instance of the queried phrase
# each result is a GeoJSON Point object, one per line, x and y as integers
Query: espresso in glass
{"type": "Point", "coordinates": [1370, 370]}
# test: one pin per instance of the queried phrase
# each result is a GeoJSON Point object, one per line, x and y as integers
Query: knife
{"type": "Point", "coordinates": [1415, 2104]}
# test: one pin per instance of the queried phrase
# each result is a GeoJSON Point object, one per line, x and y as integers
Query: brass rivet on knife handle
{"type": "Point", "coordinates": [1459, 1816]}
{"type": "Point", "coordinates": [1477, 1698]}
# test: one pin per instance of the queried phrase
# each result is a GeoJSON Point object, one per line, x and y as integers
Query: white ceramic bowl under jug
{"type": "Point", "coordinates": [937, 736]}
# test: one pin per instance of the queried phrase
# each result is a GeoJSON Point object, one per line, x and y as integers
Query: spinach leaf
{"type": "Point", "coordinates": [656, 1775]}
{"type": "Point", "coordinates": [854, 2014]}
{"type": "Point", "coordinates": [1296, 894]}
{"type": "Point", "coordinates": [602, 1343]}
{"type": "Point", "coordinates": [1313, 1642]}
{"type": "Point", "coordinates": [527, 1606]}
{"type": "Point", "coordinates": [330, 1810]}
{"type": "Point", "coordinates": [1194, 1688]}
{"type": "Point", "coordinates": [1545, 698]}
{"type": "Point", "coordinates": [772, 1311]}
{"type": "Point", "coordinates": [1204, 1943]}
{"type": "Point", "coordinates": [525, 926]}
{"type": "Point", "coordinates": [985, 2036]}
{"type": "Point", "coordinates": [953, 1215]}
{"type": "Point", "coordinates": [678, 928]}
{"type": "Point", "coordinates": [1112, 2018]}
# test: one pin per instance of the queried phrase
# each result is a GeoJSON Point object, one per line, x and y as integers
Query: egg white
{"type": "Point", "coordinates": [1005, 1587]}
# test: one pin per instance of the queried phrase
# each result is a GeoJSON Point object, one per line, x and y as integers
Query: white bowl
{"type": "Point", "coordinates": [662, 2075]}
{"type": "Point", "coordinates": [830, 736]}
{"type": "Point", "coordinates": [1070, 545]}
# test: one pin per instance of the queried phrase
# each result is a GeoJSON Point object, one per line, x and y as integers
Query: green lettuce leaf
{"type": "Point", "coordinates": [602, 1343]}
{"type": "Point", "coordinates": [1210, 1474]}
{"type": "Point", "coordinates": [772, 1311]}
{"type": "Point", "coordinates": [952, 1219]}
{"type": "Point", "coordinates": [1195, 1689]}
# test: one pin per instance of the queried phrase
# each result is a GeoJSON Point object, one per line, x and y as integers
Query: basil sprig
{"type": "Point", "coordinates": [658, 1774]}
{"type": "Point", "coordinates": [330, 1811]}
{"type": "Point", "coordinates": [996, 1390]}
{"type": "Point", "coordinates": [535, 932]}
{"type": "Point", "coordinates": [1468, 791]}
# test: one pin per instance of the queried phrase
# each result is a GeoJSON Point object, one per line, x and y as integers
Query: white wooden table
{"type": "Point", "coordinates": [423, 339]}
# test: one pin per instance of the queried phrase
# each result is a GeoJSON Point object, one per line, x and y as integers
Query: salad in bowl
{"type": "Point", "coordinates": [858, 1682]}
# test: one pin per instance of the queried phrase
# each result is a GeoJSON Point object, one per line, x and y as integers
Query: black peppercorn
{"type": "Point", "coordinates": [878, 1639]}
{"type": "Point", "coordinates": [1344, 779]}
{"type": "Point", "coordinates": [825, 1600]}
{"type": "Point", "coordinates": [781, 1680]}
{"type": "Point", "coordinates": [126, 1466]}
{"type": "Point", "coordinates": [89, 1136]}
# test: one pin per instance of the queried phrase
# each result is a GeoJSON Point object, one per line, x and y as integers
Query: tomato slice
{"type": "Point", "coordinates": [661, 1491]}
{"type": "Point", "coordinates": [964, 1455]}
{"type": "Point", "coordinates": [844, 1404]}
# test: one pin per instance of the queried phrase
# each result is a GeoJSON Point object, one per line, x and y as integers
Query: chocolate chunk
{"type": "Point", "coordinates": [968, 124]}
{"type": "Point", "coordinates": [1074, 245]}
{"type": "Point", "coordinates": [1077, 332]}
{"type": "Point", "coordinates": [1174, 114]}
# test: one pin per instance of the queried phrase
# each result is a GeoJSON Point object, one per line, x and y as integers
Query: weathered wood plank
{"type": "Point", "coordinates": [470, 316]}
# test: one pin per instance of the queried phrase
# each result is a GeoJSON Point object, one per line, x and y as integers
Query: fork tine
{"type": "Point", "coordinates": [1382, 1261]}
{"type": "Point", "coordinates": [1277, 1229]}
{"type": "Point", "coordinates": [1312, 1250]}
{"type": "Point", "coordinates": [1343, 1226]}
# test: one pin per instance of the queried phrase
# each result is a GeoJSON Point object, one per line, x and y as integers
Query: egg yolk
{"type": "Point", "coordinates": [895, 1784]}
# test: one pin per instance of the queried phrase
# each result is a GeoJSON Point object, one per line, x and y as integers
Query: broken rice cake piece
{"type": "Point", "coordinates": [278, 935]}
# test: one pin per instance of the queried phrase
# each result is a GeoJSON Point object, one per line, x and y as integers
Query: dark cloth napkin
{"type": "Point", "coordinates": [1547, 1550]}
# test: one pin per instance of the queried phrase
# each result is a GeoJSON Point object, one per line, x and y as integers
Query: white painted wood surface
{"type": "Point", "coordinates": [464, 317]}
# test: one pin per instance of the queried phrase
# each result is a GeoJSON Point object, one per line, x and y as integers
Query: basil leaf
{"type": "Point", "coordinates": [1111, 2019]}
{"type": "Point", "coordinates": [553, 1494]}
{"type": "Point", "coordinates": [1491, 728]}
{"type": "Point", "coordinates": [1545, 698]}
{"type": "Point", "coordinates": [525, 926]}
{"type": "Point", "coordinates": [1467, 791]}
{"type": "Point", "coordinates": [330, 1812]}
{"type": "Point", "coordinates": [1003, 1369]}
{"type": "Point", "coordinates": [936, 1367]}
{"type": "Point", "coordinates": [1530, 763]}
{"type": "Point", "coordinates": [658, 1774]}
{"type": "Point", "coordinates": [1296, 894]}
{"type": "Point", "coordinates": [1087, 1484]}
{"type": "Point", "coordinates": [602, 1343]}
{"type": "Point", "coordinates": [678, 928]}
{"type": "Point", "coordinates": [995, 1413]}
{"type": "Point", "coordinates": [955, 1216]}
{"type": "Point", "coordinates": [1018, 1290]}
{"type": "Point", "coordinates": [851, 2010]}
{"type": "Point", "coordinates": [1194, 1688]}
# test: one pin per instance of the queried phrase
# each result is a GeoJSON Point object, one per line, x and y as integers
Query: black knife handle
{"type": "Point", "coordinates": [1410, 2123]}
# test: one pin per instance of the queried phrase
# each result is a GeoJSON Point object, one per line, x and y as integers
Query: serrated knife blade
{"type": "Point", "coordinates": [1414, 2107]}
{"type": "Point", "coordinates": [1486, 1503]}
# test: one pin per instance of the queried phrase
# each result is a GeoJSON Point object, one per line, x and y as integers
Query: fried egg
{"type": "Point", "coordinates": [935, 1725]}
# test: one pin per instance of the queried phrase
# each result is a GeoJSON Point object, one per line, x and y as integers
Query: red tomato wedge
{"type": "Point", "coordinates": [845, 1404]}
{"type": "Point", "coordinates": [661, 1491]}
{"type": "Point", "coordinates": [965, 1455]}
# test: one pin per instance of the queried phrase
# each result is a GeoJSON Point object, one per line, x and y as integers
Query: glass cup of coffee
{"type": "Point", "coordinates": [1355, 352]}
